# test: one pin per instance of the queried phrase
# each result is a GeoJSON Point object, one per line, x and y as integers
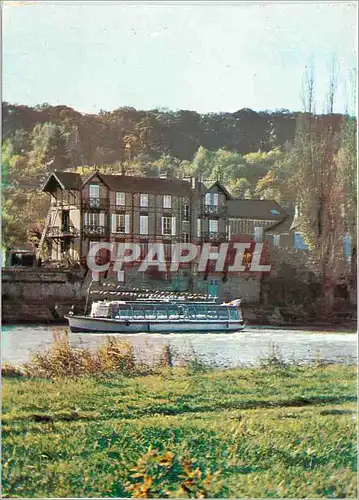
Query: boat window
{"type": "Point", "coordinates": [190, 312]}
{"type": "Point", "coordinates": [173, 312]}
{"type": "Point", "coordinates": [138, 312]}
{"type": "Point", "coordinates": [212, 312]}
{"type": "Point", "coordinates": [201, 312]}
{"type": "Point", "coordinates": [161, 312]}
{"type": "Point", "coordinates": [222, 312]}
{"type": "Point", "coordinates": [233, 313]}
{"type": "Point", "coordinates": [181, 312]}
{"type": "Point", "coordinates": [125, 312]}
{"type": "Point", "coordinates": [150, 312]}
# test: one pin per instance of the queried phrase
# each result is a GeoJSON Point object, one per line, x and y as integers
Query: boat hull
{"type": "Point", "coordinates": [104, 325]}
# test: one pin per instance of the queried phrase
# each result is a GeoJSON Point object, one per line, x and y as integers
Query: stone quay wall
{"type": "Point", "coordinates": [40, 295]}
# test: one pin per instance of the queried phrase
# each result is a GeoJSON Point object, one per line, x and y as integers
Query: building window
{"type": "Point", "coordinates": [258, 233]}
{"type": "Point", "coordinates": [94, 223]}
{"type": "Point", "coordinates": [166, 225]}
{"type": "Point", "coordinates": [173, 226]}
{"type": "Point", "coordinates": [211, 199]}
{"type": "Point", "coordinates": [143, 200]}
{"type": "Point", "coordinates": [276, 240]}
{"type": "Point", "coordinates": [120, 199]}
{"type": "Point", "coordinates": [348, 248]}
{"type": "Point", "coordinates": [213, 226]}
{"type": "Point", "coordinates": [167, 201]}
{"type": "Point", "coordinates": [199, 228]}
{"type": "Point", "coordinates": [185, 237]}
{"type": "Point", "coordinates": [94, 219]}
{"type": "Point", "coordinates": [94, 195]}
{"type": "Point", "coordinates": [120, 223]}
{"type": "Point", "coordinates": [186, 212]}
{"type": "Point", "coordinates": [299, 243]}
{"type": "Point", "coordinates": [144, 224]}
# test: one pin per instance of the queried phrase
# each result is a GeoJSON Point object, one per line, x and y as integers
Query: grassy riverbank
{"type": "Point", "coordinates": [275, 431]}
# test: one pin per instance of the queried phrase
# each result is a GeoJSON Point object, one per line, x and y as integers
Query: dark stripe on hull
{"type": "Point", "coordinates": [82, 330]}
{"type": "Point", "coordinates": [101, 326]}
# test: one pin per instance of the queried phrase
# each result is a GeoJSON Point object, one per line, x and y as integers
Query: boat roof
{"type": "Point", "coordinates": [161, 302]}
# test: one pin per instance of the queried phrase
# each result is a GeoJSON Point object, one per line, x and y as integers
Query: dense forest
{"type": "Point", "coordinates": [110, 137]}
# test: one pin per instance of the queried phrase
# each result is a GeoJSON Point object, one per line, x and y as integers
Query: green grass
{"type": "Point", "coordinates": [267, 432]}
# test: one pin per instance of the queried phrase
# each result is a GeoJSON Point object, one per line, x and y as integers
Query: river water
{"type": "Point", "coordinates": [225, 350]}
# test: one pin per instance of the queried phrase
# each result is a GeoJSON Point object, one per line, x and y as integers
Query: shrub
{"type": "Point", "coordinates": [167, 475]}
{"type": "Point", "coordinates": [166, 357]}
{"type": "Point", "coordinates": [274, 359]}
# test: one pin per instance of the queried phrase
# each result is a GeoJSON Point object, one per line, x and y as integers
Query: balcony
{"type": "Point", "coordinates": [62, 232]}
{"type": "Point", "coordinates": [95, 230]}
{"type": "Point", "coordinates": [218, 210]}
{"type": "Point", "coordinates": [118, 208]}
{"type": "Point", "coordinates": [214, 237]}
{"type": "Point", "coordinates": [95, 203]}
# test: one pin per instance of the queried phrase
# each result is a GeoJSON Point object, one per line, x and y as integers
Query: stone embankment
{"type": "Point", "coordinates": [41, 295]}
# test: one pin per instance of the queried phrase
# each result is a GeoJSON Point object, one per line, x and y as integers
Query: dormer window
{"type": "Point", "coordinates": [94, 195]}
{"type": "Point", "coordinates": [143, 200]}
{"type": "Point", "coordinates": [211, 199]}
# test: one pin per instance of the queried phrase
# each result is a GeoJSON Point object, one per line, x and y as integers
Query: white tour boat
{"type": "Point", "coordinates": [162, 316]}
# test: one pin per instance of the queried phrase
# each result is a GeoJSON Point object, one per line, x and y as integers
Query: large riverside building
{"type": "Point", "coordinates": [120, 208]}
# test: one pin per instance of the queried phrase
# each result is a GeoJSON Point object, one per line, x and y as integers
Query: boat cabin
{"type": "Point", "coordinates": [162, 311]}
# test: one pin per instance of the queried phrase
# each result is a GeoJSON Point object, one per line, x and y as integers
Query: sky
{"type": "Point", "coordinates": [207, 57]}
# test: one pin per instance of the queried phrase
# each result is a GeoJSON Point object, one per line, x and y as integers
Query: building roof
{"type": "Point", "coordinates": [220, 186]}
{"type": "Point", "coordinates": [67, 180]}
{"type": "Point", "coordinates": [283, 226]}
{"type": "Point", "coordinates": [146, 184]}
{"type": "Point", "coordinates": [72, 180]}
{"type": "Point", "coordinates": [255, 209]}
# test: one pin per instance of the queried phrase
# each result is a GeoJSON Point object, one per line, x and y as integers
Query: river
{"type": "Point", "coordinates": [225, 350]}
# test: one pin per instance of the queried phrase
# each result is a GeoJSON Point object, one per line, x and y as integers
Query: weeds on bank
{"type": "Point", "coordinates": [64, 360]}
{"type": "Point", "coordinates": [274, 359]}
{"type": "Point", "coordinates": [115, 356]}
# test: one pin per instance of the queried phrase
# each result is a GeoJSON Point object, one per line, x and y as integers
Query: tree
{"type": "Point", "coordinates": [21, 209]}
{"type": "Point", "coordinates": [49, 150]}
{"type": "Point", "coordinates": [320, 191]}
{"type": "Point", "coordinates": [240, 188]}
{"type": "Point", "coordinates": [277, 184]}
